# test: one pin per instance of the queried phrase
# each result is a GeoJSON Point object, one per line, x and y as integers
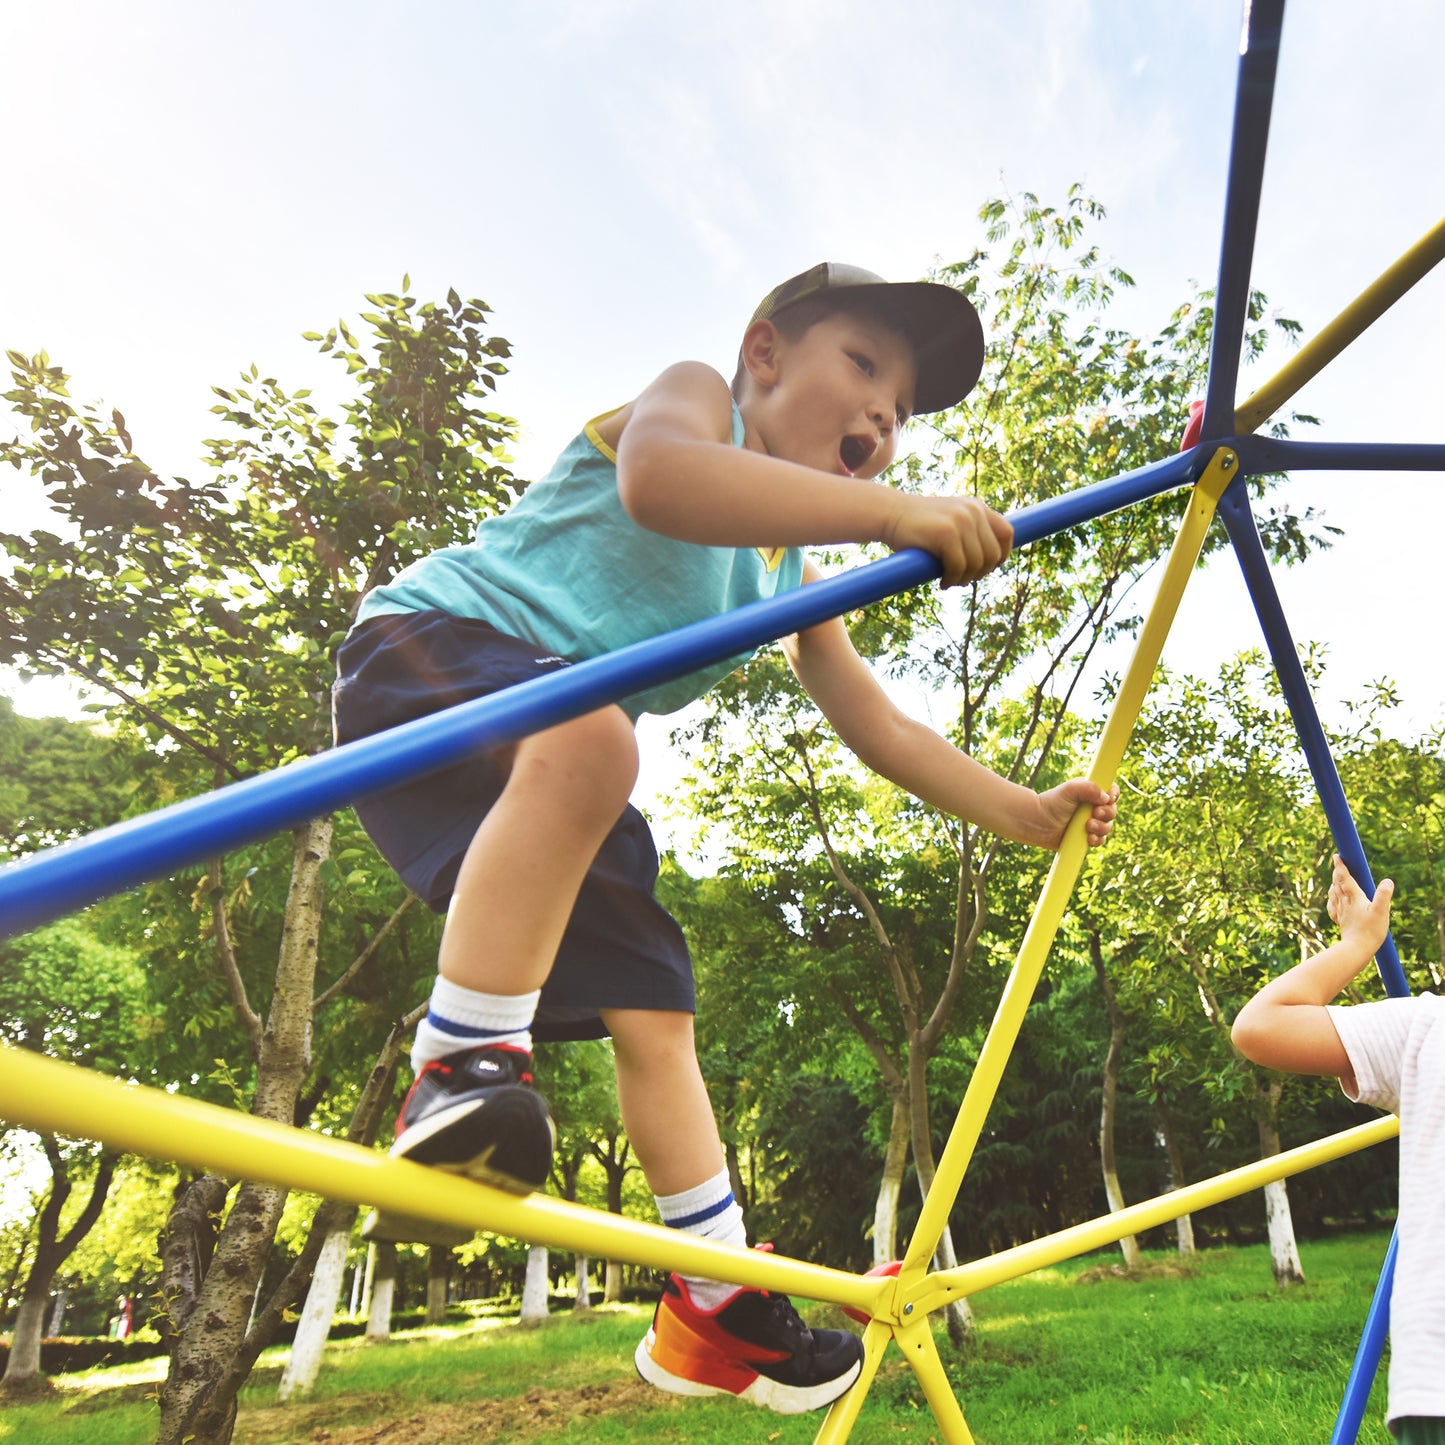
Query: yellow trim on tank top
{"type": "Point", "coordinates": [595, 437]}
{"type": "Point", "coordinates": [772, 556]}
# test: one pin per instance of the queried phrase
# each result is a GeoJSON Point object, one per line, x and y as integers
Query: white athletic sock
{"type": "Point", "coordinates": [709, 1211]}
{"type": "Point", "coordinates": [461, 1018]}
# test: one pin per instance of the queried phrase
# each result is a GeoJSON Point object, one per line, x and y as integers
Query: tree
{"type": "Point", "coordinates": [205, 615]}
{"type": "Point", "coordinates": [299, 1377]}
{"type": "Point", "coordinates": [65, 994]}
{"type": "Point", "coordinates": [59, 779]}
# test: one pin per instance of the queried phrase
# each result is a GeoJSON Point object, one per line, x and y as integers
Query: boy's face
{"type": "Point", "coordinates": [836, 398]}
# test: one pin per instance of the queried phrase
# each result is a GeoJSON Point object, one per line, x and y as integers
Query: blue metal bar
{"type": "Point", "coordinates": [60, 880]}
{"type": "Point", "coordinates": [1235, 510]}
{"type": "Point", "coordinates": [1269, 454]}
{"type": "Point", "coordinates": [1367, 1356]}
{"type": "Point", "coordinates": [1253, 99]}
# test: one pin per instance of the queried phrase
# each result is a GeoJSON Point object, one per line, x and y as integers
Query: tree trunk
{"type": "Point", "coordinates": [383, 1293]}
{"type": "Point", "coordinates": [299, 1377]}
{"type": "Point", "coordinates": [890, 1186]}
{"type": "Point", "coordinates": [1108, 1107]}
{"type": "Point", "coordinates": [534, 1291]}
{"type": "Point", "coordinates": [1184, 1225]}
{"type": "Point", "coordinates": [612, 1290]}
{"type": "Point", "coordinates": [957, 1313]}
{"type": "Point", "coordinates": [735, 1178]}
{"type": "Point", "coordinates": [614, 1163]}
{"type": "Point", "coordinates": [57, 1315]}
{"type": "Point", "coordinates": [438, 1266]}
{"type": "Point", "coordinates": [22, 1372]}
{"type": "Point", "coordinates": [198, 1400]}
{"type": "Point", "coordinates": [583, 1301]}
{"type": "Point", "coordinates": [1283, 1251]}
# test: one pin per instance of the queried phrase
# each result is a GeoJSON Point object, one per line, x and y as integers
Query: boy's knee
{"type": "Point", "coordinates": [592, 758]}
{"type": "Point", "coordinates": [651, 1036]}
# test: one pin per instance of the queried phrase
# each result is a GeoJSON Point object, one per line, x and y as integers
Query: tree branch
{"type": "Point", "coordinates": [364, 957]}
{"type": "Point", "coordinates": [249, 1019]}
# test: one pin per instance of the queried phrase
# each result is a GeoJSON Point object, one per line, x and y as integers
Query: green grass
{"type": "Point", "coordinates": [1073, 1353]}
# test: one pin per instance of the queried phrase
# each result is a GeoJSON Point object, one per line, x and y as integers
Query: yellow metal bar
{"type": "Point", "coordinates": [1367, 308]}
{"type": "Point", "coordinates": [919, 1349]}
{"type": "Point", "coordinates": [45, 1094]}
{"type": "Point", "coordinates": [843, 1414]}
{"type": "Point", "coordinates": [938, 1289]}
{"type": "Point", "coordinates": [1049, 912]}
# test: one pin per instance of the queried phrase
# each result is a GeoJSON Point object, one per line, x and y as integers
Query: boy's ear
{"type": "Point", "coordinates": [761, 352]}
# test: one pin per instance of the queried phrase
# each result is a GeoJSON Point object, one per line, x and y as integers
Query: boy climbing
{"type": "Point", "coordinates": [692, 499]}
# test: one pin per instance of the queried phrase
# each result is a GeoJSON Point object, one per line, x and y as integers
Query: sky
{"type": "Point", "coordinates": [189, 187]}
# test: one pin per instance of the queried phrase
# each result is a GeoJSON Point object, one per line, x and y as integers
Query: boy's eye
{"type": "Point", "coordinates": [863, 363]}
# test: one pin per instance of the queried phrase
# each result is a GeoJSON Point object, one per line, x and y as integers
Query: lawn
{"type": "Point", "coordinates": [1215, 1355]}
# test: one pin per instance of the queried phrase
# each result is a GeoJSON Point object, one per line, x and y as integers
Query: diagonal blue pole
{"type": "Point", "coordinates": [60, 880]}
{"type": "Point", "coordinates": [1253, 100]}
{"type": "Point", "coordinates": [1238, 518]}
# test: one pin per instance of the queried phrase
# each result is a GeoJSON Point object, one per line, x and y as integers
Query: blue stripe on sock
{"type": "Point", "coordinates": [711, 1212]}
{"type": "Point", "coordinates": [466, 1031]}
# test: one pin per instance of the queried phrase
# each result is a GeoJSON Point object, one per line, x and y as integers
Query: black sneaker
{"type": "Point", "coordinates": [476, 1113]}
{"type": "Point", "coordinates": [753, 1346]}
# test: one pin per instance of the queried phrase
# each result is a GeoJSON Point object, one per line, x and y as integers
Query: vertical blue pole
{"type": "Point", "coordinates": [1235, 510]}
{"type": "Point", "coordinates": [1367, 1356]}
{"type": "Point", "coordinates": [1253, 101]}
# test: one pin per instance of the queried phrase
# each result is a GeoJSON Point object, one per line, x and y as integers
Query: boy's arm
{"type": "Point", "coordinates": [679, 474]}
{"type": "Point", "coordinates": [921, 762]}
{"type": "Point", "coordinates": [1287, 1025]}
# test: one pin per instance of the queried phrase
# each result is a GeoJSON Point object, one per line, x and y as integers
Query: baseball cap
{"type": "Point", "coordinates": [939, 322]}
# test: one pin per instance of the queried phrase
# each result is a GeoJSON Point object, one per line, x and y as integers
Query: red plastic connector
{"type": "Point", "coordinates": [1195, 426]}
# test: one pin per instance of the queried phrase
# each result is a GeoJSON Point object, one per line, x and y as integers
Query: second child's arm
{"type": "Point", "coordinates": [1286, 1025]}
{"type": "Point", "coordinates": [679, 474]}
{"type": "Point", "coordinates": [923, 763]}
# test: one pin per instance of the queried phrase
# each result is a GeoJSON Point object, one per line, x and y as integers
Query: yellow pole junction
{"type": "Point", "coordinates": [1367, 308]}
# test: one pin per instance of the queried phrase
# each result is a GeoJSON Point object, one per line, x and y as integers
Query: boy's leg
{"type": "Point", "coordinates": [663, 1098]}
{"type": "Point", "coordinates": [520, 877]}
{"type": "Point", "coordinates": [473, 1108]}
{"type": "Point", "coordinates": [709, 1338]}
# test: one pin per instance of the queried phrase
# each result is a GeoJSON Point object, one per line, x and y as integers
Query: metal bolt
{"type": "Point", "coordinates": [908, 1309]}
{"type": "Point", "coordinates": [1226, 462]}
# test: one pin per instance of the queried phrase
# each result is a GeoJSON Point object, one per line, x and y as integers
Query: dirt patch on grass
{"type": "Point", "coordinates": [1152, 1269]}
{"type": "Point", "coordinates": [537, 1415]}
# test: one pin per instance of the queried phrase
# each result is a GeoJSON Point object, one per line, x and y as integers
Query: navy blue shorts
{"type": "Point", "coordinates": [621, 949]}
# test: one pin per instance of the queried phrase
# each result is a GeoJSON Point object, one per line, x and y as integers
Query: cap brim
{"type": "Point", "coordinates": [946, 334]}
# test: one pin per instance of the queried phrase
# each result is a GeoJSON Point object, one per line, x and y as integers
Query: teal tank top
{"type": "Point", "coordinates": [568, 569]}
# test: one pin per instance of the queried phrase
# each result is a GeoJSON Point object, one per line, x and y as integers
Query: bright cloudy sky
{"type": "Point", "coordinates": [188, 187]}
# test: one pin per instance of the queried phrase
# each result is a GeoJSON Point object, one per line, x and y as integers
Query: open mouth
{"type": "Point", "coordinates": [854, 451]}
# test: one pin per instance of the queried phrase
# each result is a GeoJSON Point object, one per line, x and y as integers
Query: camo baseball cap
{"type": "Point", "coordinates": [939, 322]}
